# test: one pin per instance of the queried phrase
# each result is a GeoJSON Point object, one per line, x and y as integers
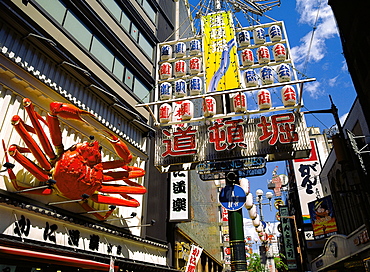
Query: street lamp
{"type": "Point", "coordinates": [259, 198]}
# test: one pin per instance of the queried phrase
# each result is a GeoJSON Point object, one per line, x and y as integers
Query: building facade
{"type": "Point", "coordinates": [97, 56]}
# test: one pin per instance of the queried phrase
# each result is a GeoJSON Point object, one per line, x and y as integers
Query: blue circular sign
{"type": "Point", "coordinates": [232, 197]}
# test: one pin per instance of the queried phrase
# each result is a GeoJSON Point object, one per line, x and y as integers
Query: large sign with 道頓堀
{"type": "Point", "coordinates": [278, 137]}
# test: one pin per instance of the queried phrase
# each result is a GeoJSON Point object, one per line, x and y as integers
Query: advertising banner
{"type": "Point", "coordinates": [194, 256]}
{"type": "Point", "coordinates": [322, 217]}
{"type": "Point", "coordinates": [308, 182]}
{"type": "Point", "coordinates": [220, 54]}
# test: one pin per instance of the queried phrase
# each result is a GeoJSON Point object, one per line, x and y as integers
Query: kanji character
{"type": "Point", "coordinates": [183, 142]}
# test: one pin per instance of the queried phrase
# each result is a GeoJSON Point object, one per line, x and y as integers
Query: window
{"type": "Point", "coordinates": [134, 32]}
{"type": "Point", "coordinates": [99, 50]}
{"type": "Point", "coordinates": [78, 30]}
{"type": "Point", "coordinates": [118, 69]}
{"type": "Point", "coordinates": [55, 8]}
{"type": "Point", "coordinates": [129, 78]}
{"type": "Point", "coordinates": [148, 9]}
{"type": "Point", "coordinates": [141, 91]}
{"type": "Point", "coordinates": [113, 8]}
{"type": "Point", "coordinates": [145, 45]}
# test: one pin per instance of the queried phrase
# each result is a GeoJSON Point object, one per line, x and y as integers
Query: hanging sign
{"type": "Point", "coordinates": [278, 137]}
{"type": "Point", "coordinates": [194, 256]}
{"type": "Point", "coordinates": [220, 54]}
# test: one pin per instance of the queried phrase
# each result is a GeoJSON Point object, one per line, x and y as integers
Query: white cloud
{"type": "Point", "coordinates": [332, 81]}
{"type": "Point", "coordinates": [313, 89]}
{"type": "Point", "coordinates": [343, 118]}
{"type": "Point", "coordinates": [325, 29]}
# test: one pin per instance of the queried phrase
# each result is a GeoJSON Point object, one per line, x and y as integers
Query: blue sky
{"type": "Point", "coordinates": [325, 62]}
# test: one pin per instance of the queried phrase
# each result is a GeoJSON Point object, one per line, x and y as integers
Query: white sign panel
{"type": "Point", "coordinates": [307, 175]}
{"type": "Point", "coordinates": [179, 196]}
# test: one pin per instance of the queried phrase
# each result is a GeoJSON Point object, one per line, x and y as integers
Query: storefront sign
{"type": "Point", "coordinates": [287, 232]}
{"type": "Point", "coordinates": [307, 175]}
{"type": "Point", "coordinates": [194, 256]}
{"type": "Point", "coordinates": [179, 197]}
{"type": "Point", "coordinates": [241, 174]}
{"type": "Point", "coordinates": [45, 229]}
{"type": "Point", "coordinates": [278, 137]}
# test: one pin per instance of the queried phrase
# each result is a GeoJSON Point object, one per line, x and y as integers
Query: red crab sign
{"type": "Point", "coordinates": [76, 171]}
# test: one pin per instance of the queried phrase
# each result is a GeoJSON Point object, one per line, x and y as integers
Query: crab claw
{"type": "Point", "coordinates": [120, 148]}
{"type": "Point", "coordinates": [68, 111]}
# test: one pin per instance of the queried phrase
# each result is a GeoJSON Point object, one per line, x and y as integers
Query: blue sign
{"type": "Point", "coordinates": [232, 197]}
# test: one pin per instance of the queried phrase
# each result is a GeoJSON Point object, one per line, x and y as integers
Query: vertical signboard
{"type": "Point", "coordinates": [194, 256]}
{"type": "Point", "coordinates": [220, 54]}
{"type": "Point", "coordinates": [179, 196]}
{"type": "Point", "coordinates": [322, 217]}
{"type": "Point", "coordinates": [287, 232]}
{"type": "Point", "coordinates": [307, 175]}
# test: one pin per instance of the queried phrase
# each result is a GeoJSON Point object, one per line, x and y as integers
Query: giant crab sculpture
{"type": "Point", "coordinates": [74, 172]}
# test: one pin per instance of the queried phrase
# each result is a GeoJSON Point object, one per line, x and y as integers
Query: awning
{"type": "Point", "coordinates": [56, 259]}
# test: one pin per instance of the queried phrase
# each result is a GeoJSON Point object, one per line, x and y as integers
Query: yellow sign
{"type": "Point", "coordinates": [220, 54]}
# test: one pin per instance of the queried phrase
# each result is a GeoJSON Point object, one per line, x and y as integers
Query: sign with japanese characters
{"type": "Point", "coordinates": [231, 165]}
{"type": "Point", "coordinates": [179, 197]}
{"type": "Point", "coordinates": [278, 137]}
{"type": "Point", "coordinates": [308, 182]}
{"type": "Point", "coordinates": [220, 54]}
{"type": "Point", "coordinates": [47, 230]}
{"type": "Point", "coordinates": [194, 256]}
{"type": "Point", "coordinates": [287, 233]}
{"type": "Point", "coordinates": [322, 217]}
{"type": "Point", "coordinates": [232, 197]}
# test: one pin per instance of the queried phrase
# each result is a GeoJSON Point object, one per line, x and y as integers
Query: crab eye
{"type": "Point", "coordinates": [73, 147]}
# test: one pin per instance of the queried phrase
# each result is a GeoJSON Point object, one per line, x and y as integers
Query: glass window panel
{"type": "Point", "coordinates": [113, 8]}
{"type": "Point", "coordinates": [141, 91]}
{"type": "Point", "coordinates": [55, 8]}
{"type": "Point", "coordinates": [145, 45]}
{"type": "Point", "coordinates": [78, 30]}
{"type": "Point", "coordinates": [129, 78]}
{"type": "Point", "coordinates": [118, 69]}
{"type": "Point", "coordinates": [149, 10]}
{"type": "Point", "coordinates": [125, 22]}
{"type": "Point", "coordinates": [102, 53]}
{"type": "Point", "coordinates": [134, 32]}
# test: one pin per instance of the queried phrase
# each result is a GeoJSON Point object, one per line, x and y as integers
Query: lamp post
{"type": "Point", "coordinates": [259, 198]}
{"type": "Point", "coordinates": [267, 256]}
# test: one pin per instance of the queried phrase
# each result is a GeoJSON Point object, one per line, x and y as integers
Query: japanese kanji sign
{"type": "Point", "coordinates": [287, 232]}
{"type": "Point", "coordinates": [194, 256]}
{"type": "Point", "coordinates": [307, 175]}
{"type": "Point", "coordinates": [279, 137]}
{"type": "Point", "coordinates": [179, 197]}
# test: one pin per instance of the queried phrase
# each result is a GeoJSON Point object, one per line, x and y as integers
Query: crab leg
{"type": "Point", "coordinates": [129, 201]}
{"type": "Point", "coordinates": [66, 111]}
{"type": "Point", "coordinates": [21, 128]}
{"type": "Point", "coordinates": [120, 148]}
{"type": "Point", "coordinates": [134, 188]}
{"type": "Point", "coordinates": [137, 172]}
{"type": "Point", "coordinates": [35, 117]}
{"type": "Point", "coordinates": [13, 178]}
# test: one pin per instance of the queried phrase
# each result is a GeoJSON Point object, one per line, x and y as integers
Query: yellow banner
{"type": "Point", "coordinates": [220, 54]}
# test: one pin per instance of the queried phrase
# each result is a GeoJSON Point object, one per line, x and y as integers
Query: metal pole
{"type": "Point", "coordinates": [237, 244]}
{"type": "Point", "coordinates": [236, 232]}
